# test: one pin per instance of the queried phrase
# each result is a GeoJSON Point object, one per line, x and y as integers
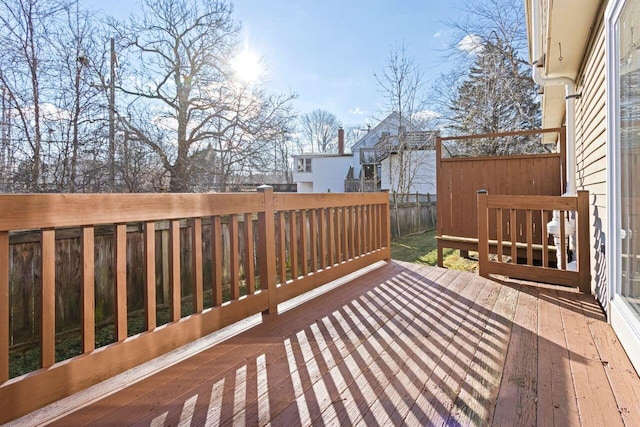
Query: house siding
{"type": "Point", "coordinates": [422, 168]}
{"type": "Point", "coordinates": [327, 173]}
{"type": "Point", "coordinates": [591, 150]}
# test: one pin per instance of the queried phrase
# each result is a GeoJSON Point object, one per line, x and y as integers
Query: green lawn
{"type": "Point", "coordinates": [422, 249]}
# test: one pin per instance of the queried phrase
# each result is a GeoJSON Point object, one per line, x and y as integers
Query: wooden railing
{"type": "Point", "coordinates": [497, 213]}
{"type": "Point", "coordinates": [274, 246]}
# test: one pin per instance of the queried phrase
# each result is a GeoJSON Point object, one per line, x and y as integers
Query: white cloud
{"type": "Point", "coordinates": [427, 114]}
{"type": "Point", "coordinates": [357, 111]}
{"type": "Point", "coordinates": [438, 34]}
{"type": "Point", "coordinates": [471, 43]}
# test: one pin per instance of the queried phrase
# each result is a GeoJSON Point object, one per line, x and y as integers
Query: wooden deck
{"type": "Point", "coordinates": [403, 344]}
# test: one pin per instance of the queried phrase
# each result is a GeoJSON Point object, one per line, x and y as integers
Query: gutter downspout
{"type": "Point", "coordinates": [553, 227]}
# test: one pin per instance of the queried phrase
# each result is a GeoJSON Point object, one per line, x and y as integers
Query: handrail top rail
{"type": "Point", "coordinates": [504, 157]}
{"type": "Point", "coordinates": [45, 211]}
{"type": "Point", "coordinates": [499, 134]}
{"type": "Point", "coordinates": [562, 203]}
{"type": "Point", "coordinates": [295, 201]}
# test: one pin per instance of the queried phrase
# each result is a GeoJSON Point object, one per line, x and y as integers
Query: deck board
{"type": "Point", "coordinates": [402, 344]}
{"type": "Point", "coordinates": [517, 397]}
{"type": "Point", "coordinates": [556, 395]}
{"type": "Point", "coordinates": [596, 402]}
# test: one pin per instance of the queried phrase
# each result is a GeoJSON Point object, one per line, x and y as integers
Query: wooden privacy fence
{"type": "Point", "coordinates": [273, 246]}
{"type": "Point", "coordinates": [459, 178]}
{"type": "Point", "coordinates": [498, 212]}
{"type": "Point", "coordinates": [412, 213]}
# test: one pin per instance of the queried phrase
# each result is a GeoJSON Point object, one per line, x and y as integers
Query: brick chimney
{"type": "Point", "coordinates": [340, 141]}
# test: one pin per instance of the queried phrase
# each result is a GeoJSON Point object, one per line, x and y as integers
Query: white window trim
{"type": "Point", "coordinates": [623, 320]}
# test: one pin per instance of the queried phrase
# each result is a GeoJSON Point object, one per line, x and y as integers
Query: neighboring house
{"type": "Point", "coordinates": [376, 158]}
{"type": "Point", "coordinates": [366, 172]}
{"type": "Point", "coordinates": [587, 52]}
{"type": "Point", "coordinates": [373, 163]}
{"type": "Point", "coordinates": [418, 161]}
{"type": "Point", "coordinates": [322, 172]}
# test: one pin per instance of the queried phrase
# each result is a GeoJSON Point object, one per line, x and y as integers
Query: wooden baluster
{"type": "Point", "coordinates": [322, 231]}
{"type": "Point", "coordinates": [337, 236]}
{"type": "Point", "coordinates": [249, 256]}
{"type": "Point", "coordinates": [174, 270]}
{"type": "Point", "coordinates": [545, 238]}
{"type": "Point", "coordinates": [563, 245]}
{"type": "Point", "coordinates": [331, 241]}
{"type": "Point", "coordinates": [352, 235]}
{"type": "Point", "coordinates": [345, 232]}
{"type": "Point", "coordinates": [514, 236]}
{"type": "Point", "coordinates": [88, 290]}
{"type": "Point", "coordinates": [499, 236]}
{"type": "Point", "coordinates": [48, 327]}
{"type": "Point", "coordinates": [363, 225]}
{"type": "Point", "coordinates": [4, 306]}
{"type": "Point", "coordinates": [370, 228]}
{"type": "Point", "coordinates": [282, 248]}
{"type": "Point", "coordinates": [234, 257]}
{"type": "Point", "coordinates": [196, 265]}
{"type": "Point", "coordinates": [216, 260]}
{"type": "Point", "coordinates": [376, 228]}
{"type": "Point", "coordinates": [293, 245]}
{"type": "Point", "coordinates": [313, 237]}
{"type": "Point", "coordinates": [120, 287]}
{"type": "Point", "coordinates": [150, 274]}
{"type": "Point", "coordinates": [357, 225]}
{"type": "Point", "coordinates": [304, 250]}
{"type": "Point", "coordinates": [529, 219]}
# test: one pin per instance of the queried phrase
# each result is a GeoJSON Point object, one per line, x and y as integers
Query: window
{"type": "Point", "coordinates": [304, 165]}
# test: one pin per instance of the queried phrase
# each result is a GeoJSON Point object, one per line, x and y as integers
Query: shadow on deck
{"type": "Point", "coordinates": [401, 344]}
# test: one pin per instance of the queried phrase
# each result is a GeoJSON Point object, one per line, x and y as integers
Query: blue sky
{"type": "Point", "coordinates": [327, 51]}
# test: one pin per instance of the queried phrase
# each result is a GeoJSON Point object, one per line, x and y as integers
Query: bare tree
{"type": "Point", "coordinates": [401, 83]}
{"type": "Point", "coordinates": [25, 63]}
{"type": "Point", "coordinates": [78, 130]}
{"type": "Point", "coordinates": [320, 130]}
{"type": "Point", "coordinates": [182, 102]}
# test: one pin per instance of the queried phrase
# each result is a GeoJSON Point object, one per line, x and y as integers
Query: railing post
{"type": "Point", "coordinates": [483, 233]}
{"type": "Point", "coordinates": [267, 249]}
{"type": "Point", "coordinates": [386, 227]}
{"type": "Point", "coordinates": [582, 235]}
{"type": "Point", "coordinates": [4, 306]}
{"type": "Point", "coordinates": [439, 194]}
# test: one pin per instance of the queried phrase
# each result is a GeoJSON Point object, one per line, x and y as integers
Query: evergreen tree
{"type": "Point", "coordinates": [497, 95]}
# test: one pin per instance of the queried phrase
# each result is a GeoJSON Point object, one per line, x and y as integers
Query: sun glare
{"type": "Point", "coordinates": [246, 66]}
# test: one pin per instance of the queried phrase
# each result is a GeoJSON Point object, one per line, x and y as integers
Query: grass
{"type": "Point", "coordinates": [422, 249]}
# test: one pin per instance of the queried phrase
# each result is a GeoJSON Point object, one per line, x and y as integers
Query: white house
{"type": "Point", "coordinates": [416, 163]}
{"type": "Point", "coordinates": [366, 173]}
{"type": "Point", "coordinates": [321, 172]}
{"type": "Point", "coordinates": [421, 167]}
{"type": "Point", "coordinates": [373, 163]}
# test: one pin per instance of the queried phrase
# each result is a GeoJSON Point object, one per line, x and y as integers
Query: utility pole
{"type": "Point", "coordinates": [112, 108]}
{"type": "Point", "coordinates": [4, 170]}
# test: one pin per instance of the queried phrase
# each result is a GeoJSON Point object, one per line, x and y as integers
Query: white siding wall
{"type": "Point", "coordinates": [327, 174]}
{"type": "Point", "coordinates": [591, 152]}
{"type": "Point", "coordinates": [422, 165]}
